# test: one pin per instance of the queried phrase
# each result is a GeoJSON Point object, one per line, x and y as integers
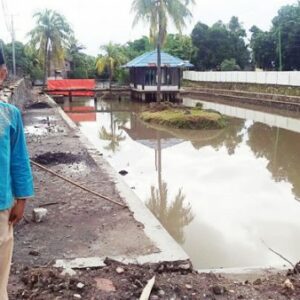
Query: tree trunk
{"type": "Point", "coordinates": [110, 77]}
{"type": "Point", "coordinates": [49, 63]}
{"type": "Point", "coordinates": [45, 64]}
{"type": "Point", "coordinates": [158, 96]}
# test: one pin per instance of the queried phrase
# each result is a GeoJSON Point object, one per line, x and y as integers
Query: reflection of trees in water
{"type": "Point", "coordinates": [230, 137]}
{"type": "Point", "coordinates": [281, 148]}
{"type": "Point", "coordinates": [121, 118]}
{"type": "Point", "coordinates": [173, 217]}
{"type": "Point", "coordinates": [113, 138]}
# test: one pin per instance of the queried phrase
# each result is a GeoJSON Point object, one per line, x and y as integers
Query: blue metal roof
{"type": "Point", "coordinates": [150, 59]}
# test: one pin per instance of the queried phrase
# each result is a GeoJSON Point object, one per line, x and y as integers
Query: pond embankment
{"type": "Point", "coordinates": [281, 97]}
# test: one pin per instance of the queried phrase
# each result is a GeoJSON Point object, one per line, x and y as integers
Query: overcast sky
{"type": "Point", "coordinates": [97, 22]}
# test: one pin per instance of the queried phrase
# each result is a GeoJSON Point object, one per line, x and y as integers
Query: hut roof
{"type": "Point", "coordinates": [149, 59]}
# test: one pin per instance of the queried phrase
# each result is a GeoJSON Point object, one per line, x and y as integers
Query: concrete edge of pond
{"type": "Point", "coordinates": [246, 273]}
{"type": "Point", "coordinates": [170, 250]}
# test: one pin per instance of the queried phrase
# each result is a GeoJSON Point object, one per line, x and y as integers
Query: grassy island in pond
{"type": "Point", "coordinates": [184, 117]}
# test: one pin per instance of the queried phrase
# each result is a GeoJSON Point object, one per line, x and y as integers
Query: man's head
{"type": "Point", "coordinates": [3, 69]}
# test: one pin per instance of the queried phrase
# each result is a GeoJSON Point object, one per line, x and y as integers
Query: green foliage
{"type": "Point", "coordinates": [180, 46]}
{"type": "Point", "coordinates": [286, 26]}
{"type": "Point", "coordinates": [218, 43]}
{"type": "Point", "coordinates": [230, 65]}
{"type": "Point", "coordinates": [199, 105]}
{"type": "Point", "coordinates": [282, 40]}
{"type": "Point", "coordinates": [264, 49]}
{"type": "Point", "coordinates": [113, 58]}
{"type": "Point", "coordinates": [137, 47]}
{"type": "Point", "coordinates": [158, 13]}
{"type": "Point", "coordinates": [27, 60]}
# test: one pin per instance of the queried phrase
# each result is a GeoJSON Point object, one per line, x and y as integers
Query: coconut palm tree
{"type": "Point", "coordinates": [50, 37]}
{"type": "Point", "coordinates": [112, 58]}
{"type": "Point", "coordinates": [73, 49]}
{"type": "Point", "coordinates": [157, 13]}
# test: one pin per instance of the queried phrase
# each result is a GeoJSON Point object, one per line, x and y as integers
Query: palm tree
{"type": "Point", "coordinates": [50, 37]}
{"type": "Point", "coordinates": [157, 13]}
{"type": "Point", "coordinates": [74, 48]}
{"type": "Point", "coordinates": [113, 58]}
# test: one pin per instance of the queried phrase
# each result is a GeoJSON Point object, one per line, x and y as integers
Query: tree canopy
{"type": "Point", "coordinates": [218, 43]}
{"type": "Point", "coordinates": [50, 36]}
{"type": "Point", "coordinates": [279, 48]}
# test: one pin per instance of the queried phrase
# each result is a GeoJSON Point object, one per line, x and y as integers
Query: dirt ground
{"type": "Point", "coordinates": [81, 225]}
{"type": "Point", "coordinates": [78, 224]}
{"type": "Point", "coordinates": [175, 280]}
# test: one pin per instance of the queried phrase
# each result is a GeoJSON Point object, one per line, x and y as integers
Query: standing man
{"type": "Point", "coordinates": [16, 183]}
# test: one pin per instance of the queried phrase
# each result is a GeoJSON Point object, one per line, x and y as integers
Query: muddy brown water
{"type": "Point", "coordinates": [224, 195]}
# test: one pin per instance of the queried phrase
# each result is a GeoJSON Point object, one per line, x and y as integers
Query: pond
{"type": "Point", "coordinates": [225, 196]}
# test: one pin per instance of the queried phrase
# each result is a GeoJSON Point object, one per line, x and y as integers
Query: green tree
{"type": "Point", "coordinates": [286, 32]}
{"type": "Point", "coordinates": [200, 38]}
{"type": "Point", "coordinates": [138, 47]}
{"type": "Point", "coordinates": [218, 43]}
{"type": "Point", "coordinates": [50, 37]}
{"type": "Point", "coordinates": [263, 46]}
{"type": "Point", "coordinates": [27, 60]}
{"type": "Point", "coordinates": [113, 57]}
{"type": "Point", "coordinates": [279, 48]}
{"type": "Point", "coordinates": [157, 13]}
{"type": "Point", "coordinates": [82, 65]}
{"type": "Point", "coordinates": [180, 46]}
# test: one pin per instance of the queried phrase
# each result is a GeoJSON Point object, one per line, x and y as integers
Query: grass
{"type": "Point", "coordinates": [185, 118]}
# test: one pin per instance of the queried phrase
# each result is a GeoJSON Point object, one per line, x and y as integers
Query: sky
{"type": "Point", "coordinates": [97, 22]}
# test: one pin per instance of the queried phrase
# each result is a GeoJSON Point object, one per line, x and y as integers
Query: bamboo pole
{"type": "Point", "coordinates": [76, 184]}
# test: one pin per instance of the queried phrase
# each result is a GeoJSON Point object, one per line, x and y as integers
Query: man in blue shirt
{"type": "Point", "coordinates": [16, 183]}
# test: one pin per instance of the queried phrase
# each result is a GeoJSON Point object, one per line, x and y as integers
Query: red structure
{"type": "Point", "coordinates": [72, 87]}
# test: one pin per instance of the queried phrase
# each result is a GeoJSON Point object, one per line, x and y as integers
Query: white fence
{"type": "Point", "coordinates": [278, 78]}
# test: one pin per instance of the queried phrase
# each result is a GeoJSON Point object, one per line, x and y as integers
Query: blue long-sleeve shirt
{"type": "Point", "coordinates": [15, 172]}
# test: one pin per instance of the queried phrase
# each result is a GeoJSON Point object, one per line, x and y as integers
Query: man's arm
{"type": "Point", "coordinates": [22, 182]}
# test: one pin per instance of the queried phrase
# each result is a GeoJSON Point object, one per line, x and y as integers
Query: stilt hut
{"type": "Point", "coordinates": [143, 76]}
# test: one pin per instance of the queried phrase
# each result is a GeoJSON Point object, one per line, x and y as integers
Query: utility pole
{"type": "Point", "coordinates": [13, 38]}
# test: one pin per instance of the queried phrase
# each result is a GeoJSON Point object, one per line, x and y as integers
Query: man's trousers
{"type": "Point", "coordinates": [6, 249]}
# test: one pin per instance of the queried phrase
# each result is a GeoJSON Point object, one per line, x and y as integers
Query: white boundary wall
{"type": "Point", "coordinates": [279, 78]}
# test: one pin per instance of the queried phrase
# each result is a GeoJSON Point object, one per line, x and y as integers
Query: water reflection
{"type": "Point", "coordinates": [174, 216]}
{"type": "Point", "coordinates": [218, 192]}
{"type": "Point", "coordinates": [112, 136]}
{"type": "Point", "coordinates": [281, 148]}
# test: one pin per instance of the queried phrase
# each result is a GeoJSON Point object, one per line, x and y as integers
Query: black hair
{"type": "Point", "coordinates": [2, 62]}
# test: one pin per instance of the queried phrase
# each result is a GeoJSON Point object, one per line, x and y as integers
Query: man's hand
{"type": "Point", "coordinates": [17, 212]}
{"type": "Point", "coordinates": [3, 73]}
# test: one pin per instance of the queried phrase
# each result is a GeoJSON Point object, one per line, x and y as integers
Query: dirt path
{"type": "Point", "coordinates": [78, 224]}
